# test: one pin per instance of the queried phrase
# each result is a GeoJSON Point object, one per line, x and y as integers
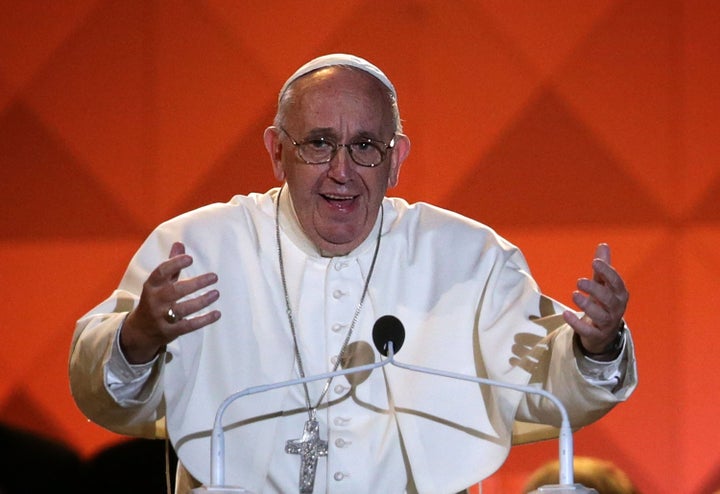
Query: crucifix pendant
{"type": "Point", "coordinates": [310, 447]}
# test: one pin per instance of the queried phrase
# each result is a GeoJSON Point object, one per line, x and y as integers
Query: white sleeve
{"type": "Point", "coordinates": [607, 375]}
{"type": "Point", "coordinates": [124, 381]}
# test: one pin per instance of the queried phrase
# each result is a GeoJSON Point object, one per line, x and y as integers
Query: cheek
{"type": "Point", "coordinates": [378, 185]}
{"type": "Point", "coordinates": [302, 182]}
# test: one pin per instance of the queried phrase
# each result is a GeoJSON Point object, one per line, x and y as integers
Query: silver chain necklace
{"type": "Point", "coordinates": [310, 447]}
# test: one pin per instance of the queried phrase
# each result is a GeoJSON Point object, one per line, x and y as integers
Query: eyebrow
{"type": "Point", "coordinates": [331, 133]}
{"type": "Point", "coordinates": [321, 132]}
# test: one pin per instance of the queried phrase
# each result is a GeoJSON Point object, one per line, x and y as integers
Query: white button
{"type": "Point", "coordinates": [341, 443]}
{"type": "Point", "coordinates": [340, 389]}
{"type": "Point", "coordinates": [340, 265]}
{"type": "Point", "coordinates": [341, 421]}
{"type": "Point", "coordinates": [338, 294]}
{"type": "Point", "coordinates": [337, 327]}
{"type": "Point", "coordinates": [339, 476]}
{"type": "Point", "coordinates": [334, 359]}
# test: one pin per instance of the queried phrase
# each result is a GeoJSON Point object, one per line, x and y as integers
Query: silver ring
{"type": "Point", "coordinates": [171, 317]}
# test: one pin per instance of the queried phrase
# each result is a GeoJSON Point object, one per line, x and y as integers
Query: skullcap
{"type": "Point", "coordinates": [334, 59]}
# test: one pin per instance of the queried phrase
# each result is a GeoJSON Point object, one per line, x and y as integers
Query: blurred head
{"type": "Point", "coordinates": [340, 112]}
{"type": "Point", "coordinates": [601, 475]}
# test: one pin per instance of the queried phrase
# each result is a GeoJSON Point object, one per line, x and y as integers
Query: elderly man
{"type": "Point", "coordinates": [300, 274]}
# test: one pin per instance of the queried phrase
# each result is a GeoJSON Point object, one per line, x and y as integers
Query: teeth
{"type": "Point", "coordinates": [338, 198]}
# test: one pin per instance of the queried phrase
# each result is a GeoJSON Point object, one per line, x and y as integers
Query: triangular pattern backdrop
{"type": "Point", "coordinates": [561, 124]}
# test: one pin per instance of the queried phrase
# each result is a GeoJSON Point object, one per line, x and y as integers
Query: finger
{"type": "Point", "coordinates": [186, 287]}
{"type": "Point", "coordinates": [598, 315]}
{"type": "Point", "coordinates": [581, 326]}
{"type": "Point", "coordinates": [612, 296]}
{"type": "Point", "coordinates": [191, 324]}
{"type": "Point", "coordinates": [169, 271]}
{"type": "Point", "coordinates": [177, 249]}
{"type": "Point", "coordinates": [602, 294]}
{"type": "Point", "coordinates": [602, 251]}
{"type": "Point", "coordinates": [593, 339]}
{"type": "Point", "coordinates": [192, 305]}
{"type": "Point", "coordinates": [586, 328]}
{"type": "Point", "coordinates": [605, 274]}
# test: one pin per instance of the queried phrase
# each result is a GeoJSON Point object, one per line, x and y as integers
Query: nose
{"type": "Point", "coordinates": [341, 164]}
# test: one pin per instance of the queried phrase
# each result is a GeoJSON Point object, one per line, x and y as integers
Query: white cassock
{"type": "Point", "coordinates": [464, 295]}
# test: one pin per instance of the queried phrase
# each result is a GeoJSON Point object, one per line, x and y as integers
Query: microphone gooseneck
{"type": "Point", "coordinates": [388, 337]}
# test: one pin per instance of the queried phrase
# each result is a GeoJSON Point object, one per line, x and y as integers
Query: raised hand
{"type": "Point", "coordinates": [604, 299]}
{"type": "Point", "coordinates": [159, 317]}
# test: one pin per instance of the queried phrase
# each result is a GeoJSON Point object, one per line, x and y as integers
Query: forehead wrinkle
{"type": "Point", "coordinates": [341, 105]}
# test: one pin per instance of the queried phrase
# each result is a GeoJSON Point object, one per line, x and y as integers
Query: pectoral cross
{"type": "Point", "coordinates": [310, 447]}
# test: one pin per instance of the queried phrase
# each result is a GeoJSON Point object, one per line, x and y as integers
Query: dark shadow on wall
{"type": "Point", "coordinates": [136, 466]}
{"type": "Point", "coordinates": [33, 464]}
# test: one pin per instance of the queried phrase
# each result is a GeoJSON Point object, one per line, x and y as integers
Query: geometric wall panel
{"type": "Point", "coordinates": [549, 160]}
{"type": "Point", "coordinates": [699, 376]}
{"type": "Point", "coordinates": [25, 413]}
{"type": "Point", "coordinates": [49, 192]}
{"type": "Point", "coordinates": [23, 51]}
{"type": "Point", "coordinates": [623, 81]}
{"type": "Point", "coordinates": [559, 125]}
{"type": "Point", "coordinates": [94, 92]}
{"type": "Point", "coordinates": [700, 92]}
{"type": "Point", "coordinates": [708, 205]}
{"type": "Point", "coordinates": [47, 284]}
{"type": "Point", "coordinates": [245, 162]}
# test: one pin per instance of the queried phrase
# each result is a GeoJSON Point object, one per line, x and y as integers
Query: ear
{"type": "Point", "coordinates": [271, 137]}
{"type": "Point", "coordinates": [399, 152]}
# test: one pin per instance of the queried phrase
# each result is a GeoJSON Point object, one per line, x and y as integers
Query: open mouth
{"type": "Point", "coordinates": [333, 197]}
{"type": "Point", "coordinates": [338, 201]}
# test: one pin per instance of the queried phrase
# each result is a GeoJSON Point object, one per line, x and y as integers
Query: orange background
{"type": "Point", "coordinates": [561, 124]}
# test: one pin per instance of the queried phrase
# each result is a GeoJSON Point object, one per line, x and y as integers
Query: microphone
{"type": "Point", "coordinates": [388, 329]}
{"type": "Point", "coordinates": [389, 334]}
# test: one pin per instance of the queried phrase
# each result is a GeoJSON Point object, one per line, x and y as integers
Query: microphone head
{"type": "Point", "coordinates": [388, 328]}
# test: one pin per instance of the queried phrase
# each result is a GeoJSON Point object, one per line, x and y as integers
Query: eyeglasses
{"type": "Point", "coordinates": [320, 150]}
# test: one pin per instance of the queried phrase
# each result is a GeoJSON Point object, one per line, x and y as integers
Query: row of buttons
{"type": "Point", "coordinates": [339, 388]}
{"type": "Point", "coordinates": [341, 443]}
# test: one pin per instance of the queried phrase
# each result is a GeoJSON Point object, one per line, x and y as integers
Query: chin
{"type": "Point", "coordinates": [338, 244]}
